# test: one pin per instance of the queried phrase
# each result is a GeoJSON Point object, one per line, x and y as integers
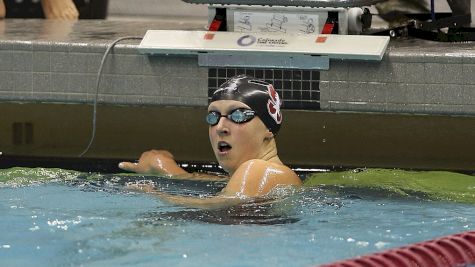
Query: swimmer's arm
{"type": "Point", "coordinates": [201, 203]}
{"type": "Point", "coordinates": [215, 202]}
{"type": "Point", "coordinates": [201, 176]}
{"type": "Point", "coordinates": [253, 179]}
{"type": "Point", "coordinates": [162, 162]}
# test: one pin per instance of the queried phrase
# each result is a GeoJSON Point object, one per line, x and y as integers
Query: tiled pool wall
{"type": "Point", "coordinates": [59, 72]}
{"type": "Point", "coordinates": [407, 80]}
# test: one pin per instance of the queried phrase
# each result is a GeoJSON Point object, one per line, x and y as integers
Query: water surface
{"type": "Point", "coordinates": [53, 217]}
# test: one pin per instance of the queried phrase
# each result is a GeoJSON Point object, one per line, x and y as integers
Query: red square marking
{"type": "Point", "coordinates": [209, 36]}
{"type": "Point", "coordinates": [321, 39]}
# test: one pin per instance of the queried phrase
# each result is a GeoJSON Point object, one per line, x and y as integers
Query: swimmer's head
{"type": "Point", "coordinates": [260, 96]}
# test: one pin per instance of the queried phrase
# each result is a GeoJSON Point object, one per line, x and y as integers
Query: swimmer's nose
{"type": "Point", "coordinates": [222, 126]}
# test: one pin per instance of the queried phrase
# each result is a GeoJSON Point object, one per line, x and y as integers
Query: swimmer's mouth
{"type": "Point", "coordinates": [223, 146]}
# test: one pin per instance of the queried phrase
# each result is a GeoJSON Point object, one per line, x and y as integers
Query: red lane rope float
{"type": "Point", "coordinates": [448, 251]}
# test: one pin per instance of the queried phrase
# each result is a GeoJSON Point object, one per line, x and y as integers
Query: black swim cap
{"type": "Point", "coordinates": [260, 96]}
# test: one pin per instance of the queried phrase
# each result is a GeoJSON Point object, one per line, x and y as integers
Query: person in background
{"type": "Point", "coordinates": [2, 9]}
{"type": "Point", "coordinates": [53, 9]}
{"type": "Point", "coordinates": [244, 117]}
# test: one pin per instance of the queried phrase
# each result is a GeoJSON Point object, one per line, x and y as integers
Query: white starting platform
{"type": "Point", "coordinates": [271, 50]}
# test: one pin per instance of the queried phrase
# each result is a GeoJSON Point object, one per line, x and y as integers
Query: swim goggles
{"type": "Point", "coordinates": [239, 115]}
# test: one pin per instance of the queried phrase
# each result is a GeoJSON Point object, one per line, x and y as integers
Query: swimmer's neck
{"type": "Point", "coordinates": [268, 153]}
{"type": "Point", "coordinates": [271, 156]}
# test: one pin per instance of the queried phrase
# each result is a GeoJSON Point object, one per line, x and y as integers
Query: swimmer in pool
{"type": "Point", "coordinates": [244, 117]}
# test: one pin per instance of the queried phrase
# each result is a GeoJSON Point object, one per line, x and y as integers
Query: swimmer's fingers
{"type": "Point", "coordinates": [129, 166]}
{"type": "Point", "coordinates": [147, 188]}
{"type": "Point", "coordinates": [153, 162]}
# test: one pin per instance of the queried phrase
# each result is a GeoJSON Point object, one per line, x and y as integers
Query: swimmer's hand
{"type": "Point", "coordinates": [154, 162]}
{"type": "Point", "coordinates": [162, 162]}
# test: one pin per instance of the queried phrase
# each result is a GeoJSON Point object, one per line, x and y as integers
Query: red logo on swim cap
{"type": "Point", "coordinates": [273, 105]}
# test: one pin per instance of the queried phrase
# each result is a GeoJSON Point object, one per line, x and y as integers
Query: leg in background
{"type": "Point", "coordinates": [59, 9]}
{"type": "Point", "coordinates": [2, 9]}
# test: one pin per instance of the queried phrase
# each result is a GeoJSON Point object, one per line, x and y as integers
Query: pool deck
{"type": "Point", "coordinates": [51, 62]}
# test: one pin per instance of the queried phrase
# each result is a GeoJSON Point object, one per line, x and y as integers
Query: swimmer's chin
{"type": "Point", "coordinates": [222, 156]}
{"type": "Point", "coordinates": [226, 167]}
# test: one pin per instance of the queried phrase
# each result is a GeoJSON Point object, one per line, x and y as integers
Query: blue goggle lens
{"type": "Point", "coordinates": [239, 115]}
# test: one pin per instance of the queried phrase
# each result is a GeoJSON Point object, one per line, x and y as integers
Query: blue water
{"type": "Point", "coordinates": [64, 223]}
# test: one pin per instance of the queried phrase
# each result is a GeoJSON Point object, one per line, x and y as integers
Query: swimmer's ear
{"type": "Point", "coordinates": [269, 134]}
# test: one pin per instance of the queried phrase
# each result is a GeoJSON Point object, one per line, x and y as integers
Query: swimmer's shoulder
{"type": "Point", "coordinates": [258, 177]}
{"type": "Point", "coordinates": [278, 169]}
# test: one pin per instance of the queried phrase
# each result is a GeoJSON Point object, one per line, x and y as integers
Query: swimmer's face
{"type": "Point", "coordinates": [235, 143]}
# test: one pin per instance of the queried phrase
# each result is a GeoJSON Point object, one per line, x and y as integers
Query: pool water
{"type": "Point", "coordinates": [62, 218]}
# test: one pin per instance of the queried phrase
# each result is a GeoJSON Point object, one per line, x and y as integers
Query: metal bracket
{"type": "Point", "coordinates": [265, 61]}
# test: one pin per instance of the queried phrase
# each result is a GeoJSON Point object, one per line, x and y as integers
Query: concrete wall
{"type": "Point", "coordinates": [423, 83]}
